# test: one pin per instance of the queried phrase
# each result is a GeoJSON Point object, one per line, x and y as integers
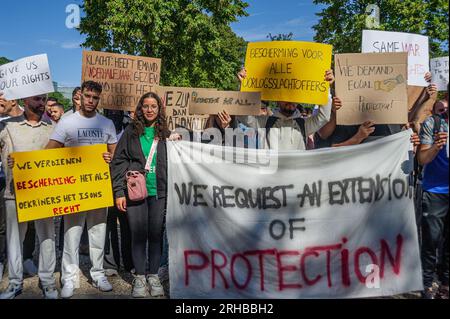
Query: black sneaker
{"type": "Point", "coordinates": [442, 292]}
{"type": "Point", "coordinates": [427, 293]}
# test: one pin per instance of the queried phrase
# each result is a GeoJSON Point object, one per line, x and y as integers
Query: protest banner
{"type": "Point", "coordinates": [325, 227]}
{"type": "Point", "coordinates": [235, 103]}
{"type": "Point", "coordinates": [372, 86]}
{"type": "Point", "coordinates": [177, 102]}
{"type": "Point", "coordinates": [439, 72]}
{"type": "Point", "coordinates": [61, 181]}
{"type": "Point", "coordinates": [414, 44]}
{"type": "Point", "coordinates": [290, 71]}
{"type": "Point", "coordinates": [124, 78]}
{"type": "Point", "coordinates": [26, 77]}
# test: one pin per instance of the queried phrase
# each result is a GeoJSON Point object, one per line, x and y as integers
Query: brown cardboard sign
{"type": "Point", "coordinates": [235, 103]}
{"type": "Point", "coordinates": [372, 86]}
{"type": "Point", "coordinates": [124, 78]}
{"type": "Point", "coordinates": [176, 100]}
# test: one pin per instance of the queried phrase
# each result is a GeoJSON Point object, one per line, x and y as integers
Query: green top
{"type": "Point", "coordinates": [146, 144]}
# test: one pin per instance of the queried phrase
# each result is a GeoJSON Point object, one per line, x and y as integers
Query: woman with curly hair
{"type": "Point", "coordinates": [145, 137]}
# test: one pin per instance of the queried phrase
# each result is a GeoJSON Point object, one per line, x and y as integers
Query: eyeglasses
{"type": "Point", "coordinates": [147, 107]}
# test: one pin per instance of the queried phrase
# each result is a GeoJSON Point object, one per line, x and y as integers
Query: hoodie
{"type": "Point", "coordinates": [286, 134]}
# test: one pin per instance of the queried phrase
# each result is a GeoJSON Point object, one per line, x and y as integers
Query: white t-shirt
{"type": "Point", "coordinates": [77, 130]}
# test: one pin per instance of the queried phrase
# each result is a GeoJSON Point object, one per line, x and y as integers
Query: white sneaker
{"type": "Point", "coordinates": [155, 287]}
{"type": "Point", "coordinates": [67, 290]}
{"type": "Point", "coordinates": [11, 292]}
{"type": "Point", "coordinates": [139, 289]}
{"type": "Point", "coordinates": [50, 292]}
{"type": "Point", "coordinates": [29, 268]}
{"type": "Point", "coordinates": [102, 284]}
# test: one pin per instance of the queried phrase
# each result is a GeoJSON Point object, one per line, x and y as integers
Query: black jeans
{"type": "Point", "coordinates": [117, 255]}
{"type": "Point", "coordinates": [434, 234]}
{"type": "Point", "coordinates": [146, 220]}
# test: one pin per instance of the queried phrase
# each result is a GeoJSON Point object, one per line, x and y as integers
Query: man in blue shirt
{"type": "Point", "coordinates": [432, 154]}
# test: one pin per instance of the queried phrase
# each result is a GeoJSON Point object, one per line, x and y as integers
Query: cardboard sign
{"type": "Point", "coordinates": [338, 223]}
{"type": "Point", "coordinates": [372, 86]}
{"type": "Point", "coordinates": [124, 78]}
{"type": "Point", "coordinates": [416, 45]}
{"type": "Point", "coordinates": [235, 103]}
{"type": "Point", "coordinates": [439, 72]}
{"type": "Point", "coordinates": [61, 181]}
{"type": "Point", "coordinates": [177, 102]}
{"type": "Point", "coordinates": [26, 77]}
{"type": "Point", "coordinates": [290, 71]}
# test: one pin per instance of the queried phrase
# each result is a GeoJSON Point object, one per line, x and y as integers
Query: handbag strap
{"type": "Point", "coordinates": [151, 155]}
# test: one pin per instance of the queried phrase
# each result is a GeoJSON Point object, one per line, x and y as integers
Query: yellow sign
{"type": "Point", "coordinates": [290, 71]}
{"type": "Point", "coordinates": [61, 181]}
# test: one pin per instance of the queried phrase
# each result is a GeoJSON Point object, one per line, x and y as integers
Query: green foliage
{"type": "Point", "coordinates": [61, 99]}
{"type": "Point", "coordinates": [192, 37]}
{"type": "Point", "coordinates": [4, 60]}
{"type": "Point", "coordinates": [341, 22]}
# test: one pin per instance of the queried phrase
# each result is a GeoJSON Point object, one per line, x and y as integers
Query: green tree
{"type": "Point", "coordinates": [341, 22]}
{"type": "Point", "coordinates": [61, 99]}
{"type": "Point", "coordinates": [192, 37]}
{"type": "Point", "coordinates": [4, 60]}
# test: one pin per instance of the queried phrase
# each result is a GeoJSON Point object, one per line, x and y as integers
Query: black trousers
{"type": "Point", "coordinates": [434, 237]}
{"type": "Point", "coordinates": [117, 250]}
{"type": "Point", "coordinates": [146, 220]}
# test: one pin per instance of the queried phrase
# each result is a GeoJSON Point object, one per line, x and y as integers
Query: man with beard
{"type": "Point", "coordinates": [27, 132]}
{"type": "Point", "coordinates": [286, 129]}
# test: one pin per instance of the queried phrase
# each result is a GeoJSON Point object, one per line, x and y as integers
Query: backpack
{"type": "Point", "coordinates": [273, 119]}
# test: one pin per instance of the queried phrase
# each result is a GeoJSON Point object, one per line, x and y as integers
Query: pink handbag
{"type": "Point", "coordinates": [137, 188]}
{"type": "Point", "coordinates": [136, 184]}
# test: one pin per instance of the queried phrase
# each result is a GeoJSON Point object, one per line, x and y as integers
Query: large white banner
{"type": "Point", "coordinates": [416, 45]}
{"type": "Point", "coordinates": [26, 77]}
{"type": "Point", "coordinates": [329, 223]}
{"type": "Point", "coordinates": [439, 72]}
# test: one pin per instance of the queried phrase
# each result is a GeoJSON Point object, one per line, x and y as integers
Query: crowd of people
{"type": "Point", "coordinates": [136, 142]}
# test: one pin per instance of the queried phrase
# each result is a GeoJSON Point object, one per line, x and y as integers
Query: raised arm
{"type": "Point", "coordinates": [315, 122]}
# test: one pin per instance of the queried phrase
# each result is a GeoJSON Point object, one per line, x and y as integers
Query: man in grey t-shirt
{"type": "Point", "coordinates": [85, 127]}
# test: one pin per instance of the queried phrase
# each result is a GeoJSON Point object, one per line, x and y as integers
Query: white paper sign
{"type": "Point", "coordinates": [329, 223]}
{"type": "Point", "coordinates": [416, 45]}
{"type": "Point", "coordinates": [439, 72]}
{"type": "Point", "coordinates": [26, 77]}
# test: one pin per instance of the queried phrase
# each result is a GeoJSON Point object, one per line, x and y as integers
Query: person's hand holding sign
{"type": "Point", "coordinates": [10, 162]}
{"type": "Point", "coordinates": [337, 104]}
{"type": "Point", "coordinates": [432, 89]}
{"type": "Point", "coordinates": [174, 137]}
{"type": "Point", "coordinates": [107, 157]}
{"type": "Point", "coordinates": [365, 130]}
{"type": "Point", "coordinates": [329, 76]}
{"type": "Point", "coordinates": [427, 77]}
{"type": "Point", "coordinates": [121, 204]}
{"type": "Point", "coordinates": [242, 74]}
{"type": "Point", "coordinates": [440, 139]}
{"type": "Point", "coordinates": [224, 119]}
